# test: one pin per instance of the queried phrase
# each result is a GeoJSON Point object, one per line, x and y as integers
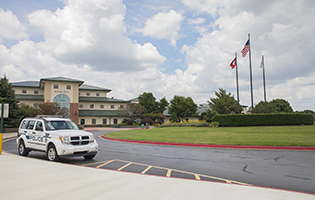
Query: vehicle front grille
{"type": "Point", "coordinates": [80, 140]}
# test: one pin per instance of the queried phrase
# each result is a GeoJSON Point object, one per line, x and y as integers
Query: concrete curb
{"type": "Point", "coordinates": [215, 146]}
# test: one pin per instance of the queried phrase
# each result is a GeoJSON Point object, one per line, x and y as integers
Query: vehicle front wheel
{"type": "Point", "coordinates": [89, 157]}
{"type": "Point", "coordinates": [52, 153]}
{"type": "Point", "coordinates": [22, 149]}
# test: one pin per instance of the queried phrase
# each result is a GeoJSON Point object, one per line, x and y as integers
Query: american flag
{"type": "Point", "coordinates": [245, 49]}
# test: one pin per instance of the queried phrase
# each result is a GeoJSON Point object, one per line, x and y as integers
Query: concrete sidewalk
{"type": "Point", "coordinates": [28, 178]}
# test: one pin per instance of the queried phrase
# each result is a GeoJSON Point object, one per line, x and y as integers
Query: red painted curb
{"type": "Point", "coordinates": [215, 146]}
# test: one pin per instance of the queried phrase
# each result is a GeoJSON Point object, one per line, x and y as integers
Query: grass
{"type": "Point", "coordinates": [257, 136]}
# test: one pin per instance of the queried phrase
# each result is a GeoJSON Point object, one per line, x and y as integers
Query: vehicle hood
{"type": "Point", "coordinates": [69, 132]}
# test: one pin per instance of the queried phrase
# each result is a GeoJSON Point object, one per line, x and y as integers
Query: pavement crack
{"type": "Point", "coordinates": [277, 158]}
{"type": "Point", "coordinates": [297, 177]}
{"type": "Point", "coordinates": [245, 170]}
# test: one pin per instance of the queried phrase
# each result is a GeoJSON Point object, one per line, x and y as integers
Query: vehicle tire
{"type": "Point", "coordinates": [22, 149]}
{"type": "Point", "coordinates": [52, 153]}
{"type": "Point", "coordinates": [89, 157]}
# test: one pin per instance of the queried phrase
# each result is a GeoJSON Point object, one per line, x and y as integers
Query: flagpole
{"type": "Point", "coordinates": [238, 98]}
{"type": "Point", "coordinates": [250, 69]}
{"type": "Point", "coordinates": [264, 80]}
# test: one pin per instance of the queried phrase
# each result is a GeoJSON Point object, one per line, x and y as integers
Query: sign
{"type": "Point", "coordinates": [5, 110]}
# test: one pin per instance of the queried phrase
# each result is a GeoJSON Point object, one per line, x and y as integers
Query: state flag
{"type": "Point", "coordinates": [233, 63]}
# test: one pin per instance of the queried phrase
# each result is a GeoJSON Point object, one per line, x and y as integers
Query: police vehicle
{"type": "Point", "coordinates": [56, 137]}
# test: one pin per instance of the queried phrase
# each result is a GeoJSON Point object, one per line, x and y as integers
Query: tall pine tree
{"type": "Point", "coordinates": [7, 95]}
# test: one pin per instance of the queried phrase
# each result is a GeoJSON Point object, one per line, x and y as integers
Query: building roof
{"type": "Point", "coordinates": [63, 79]}
{"type": "Point", "coordinates": [90, 87]}
{"type": "Point", "coordinates": [202, 108]}
{"type": "Point", "coordinates": [34, 84]}
{"type": "Point", "coordinates": [103, 113]}
{"type": "Point", "coordinates": [100, 99]}
{"type": "Point", "coordinates": [29, 97]}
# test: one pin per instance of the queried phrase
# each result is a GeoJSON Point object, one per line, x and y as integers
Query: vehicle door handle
{"type": "Point", "coordinates": [25, 131]}
{"type": "Point", "coordinates": [34, 132]}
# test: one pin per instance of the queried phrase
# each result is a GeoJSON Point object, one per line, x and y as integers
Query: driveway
{"type": "Point", "coordinates": [290, 170]}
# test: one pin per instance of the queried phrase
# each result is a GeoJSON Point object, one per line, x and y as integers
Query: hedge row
{"type": "Point", "coordinates": [265, 119]}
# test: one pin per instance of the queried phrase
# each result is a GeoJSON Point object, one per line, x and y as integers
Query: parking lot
{"type": "Point", "coordinates": [126, 166]}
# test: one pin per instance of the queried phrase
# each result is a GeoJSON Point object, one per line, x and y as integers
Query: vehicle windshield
{"type": "Point", "coordinates": [60, 125]}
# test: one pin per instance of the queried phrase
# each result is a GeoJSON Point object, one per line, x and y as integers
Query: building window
{"type": "Point", "coordinates": [82, 121]}
{"type": "Point", "coordinates": [104, 121]}
{"type": "Point", "coordinates": [91, 105]}
{"type": "Point", "coordinates": [112, 106]}
{"type": "Point", "coordinates": [23, 91]}
{"type": "Point", "coordinates": [35, 91]}
{"type": "Point", "coordinates": [101, 106]}
{"type": "Point", "coordinates": [68, 87]}
{"type": "Point", "coordinates": [121, 106]}
{"type": "Point", "coordinates": [22, 104]}
{"type": "Point", "coordinates": [56, 86]}
{"type": "Point", "coordinates": [88, 94]}
{"type": "Point", "coordinates": [80, 105]}
{"type": "Point", "coordinates": [35, 105]}
{"type": "Point", "coordinates": [93, 121]}
{"type": "Point", "coordinates": [115, 121]}
{"type": "Point", "coordinates": [97, 94]}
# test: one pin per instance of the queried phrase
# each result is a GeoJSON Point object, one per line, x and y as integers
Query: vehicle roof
{"type": "Point", "coordinates": [48, 118]}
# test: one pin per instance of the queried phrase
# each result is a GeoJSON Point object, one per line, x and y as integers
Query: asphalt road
{"type": "Point", "coordinates": [291, 170]}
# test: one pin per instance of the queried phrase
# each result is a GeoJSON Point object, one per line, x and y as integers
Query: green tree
{"type": "Point", "coordinates": [52, 109]}
{"type": "Point", "coordinates": [224, 103]}
{"type": "Point", "coordinates": [162, 105]}
{"type": "Point", "coordinates": [208, 115]}
{"type": "Point", "coordinates": [148, 101]}
{"type": "Point", "coordinates": [281, 106]}
{"type": "Point", "coordinates": [29, 111]}
{"type": "Point", "coordinates": [260, 107]}
{"type": "Point", "coordinates": [7, 95]}
{"type": "Point", "coordinates": [183, 107]}
{"type": "Point", "coordinates": [174, 118]}
{"type": "Point", "coordinates": [131, 111]}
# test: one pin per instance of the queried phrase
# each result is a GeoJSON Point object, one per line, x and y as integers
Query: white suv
{"type": "Point", "coordinates": [56, 137]}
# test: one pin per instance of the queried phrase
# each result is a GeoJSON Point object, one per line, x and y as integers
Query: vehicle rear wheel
{"type": "Point", "coordinates": [89, 157]}
{"type": "Point", "coordinates": [52, 153]}
{"type": "Point", "coordinates": [22, 149]}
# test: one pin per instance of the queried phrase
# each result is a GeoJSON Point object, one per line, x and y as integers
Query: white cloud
{"type": "Point", "coordinates": [164, 26]}
{"type": "Point", "coordinates": [114, 24]}
{"type": "Point", "coordinates": [89, 40]}
{"type": "Point", "coordinates": [92, 32]}
{"type": "Point", "coordinates": [10, 26]}
{"type": "Point", "coordinates": [285, 39]}
{"type": "Point", "coordinates": [196, 21]}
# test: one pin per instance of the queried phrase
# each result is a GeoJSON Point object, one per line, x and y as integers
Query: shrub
{"type": "Point", "coordinates": [265, 119]}
{"type": "Point", "coordinates": [147, 120]}
{"type": "Point", "coordinates": [214, 124]}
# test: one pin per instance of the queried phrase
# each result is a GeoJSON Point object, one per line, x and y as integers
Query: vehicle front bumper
{"type": "Point", "coordinates": [78, 150]}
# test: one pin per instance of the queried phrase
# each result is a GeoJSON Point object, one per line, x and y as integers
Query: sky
{"type": "Point", "coordinates": [168, 48]}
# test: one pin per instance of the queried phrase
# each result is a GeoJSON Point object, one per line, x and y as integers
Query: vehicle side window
{"type": "Point", "coordinates": [31, 125]}
{"type": "Point", "coordinates": [39, 126]}
{"type": "Point", "coordinates": [23, 124]}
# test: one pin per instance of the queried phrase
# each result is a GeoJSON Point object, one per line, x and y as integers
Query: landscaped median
{"type": "Point", "coordinates": [267, 137]}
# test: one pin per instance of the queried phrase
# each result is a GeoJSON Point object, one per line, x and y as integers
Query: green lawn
{"type": "Point", "coordinates": [258, 136]}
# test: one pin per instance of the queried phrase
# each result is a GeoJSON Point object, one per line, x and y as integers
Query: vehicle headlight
{"type": "Point", "coordinates": [92, 138]}
{"type": "Point", "coordinates": [64, 139]}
